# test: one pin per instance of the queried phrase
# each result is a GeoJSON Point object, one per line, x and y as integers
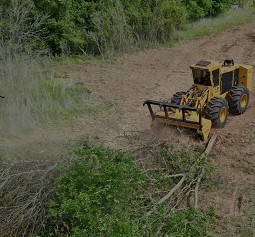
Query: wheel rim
{"type": "Point", "coordinates": [223, 114]}
{"type": "Point", "coordinates": [243, 101]}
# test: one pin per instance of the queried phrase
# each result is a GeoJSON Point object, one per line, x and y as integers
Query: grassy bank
{"type": "Point", "coordinates": [209, 26]}
{"type": "Point", "coordinates": [57, 102]}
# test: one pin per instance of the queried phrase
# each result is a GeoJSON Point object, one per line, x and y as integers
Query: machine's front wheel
{"type": "Point", "coordinates": [217, 111]}
{"type": "Point", "coordinates": [238, 99]}
{"type": "Point", "coordinates": [176, 99]}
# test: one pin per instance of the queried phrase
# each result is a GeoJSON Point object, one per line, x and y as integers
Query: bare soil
{"type": "Point", "coordinates": [157, 74]}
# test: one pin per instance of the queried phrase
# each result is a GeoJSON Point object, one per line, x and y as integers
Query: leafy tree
{"type": "Point", "coordinates": [198, 8]}
{"type": "Point", "coordinates": [99, 26]}
{"type": "Point", "coordinates": [20, 25]}
{"type": "Point", "coordinates": [204, 8]}
{"type": "Point", "coordinates": [219, 6]}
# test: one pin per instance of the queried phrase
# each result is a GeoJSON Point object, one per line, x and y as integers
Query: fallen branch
{"type": "Point", "coordinates": [172, 191]}
{"type": "Point", "coordinates": [203, 156]}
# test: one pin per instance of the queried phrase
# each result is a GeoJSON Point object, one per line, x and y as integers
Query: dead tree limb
{"type": "Point", "coordinates": [176, 187]}
{"type": "Point", "coordinates": [203, 156]}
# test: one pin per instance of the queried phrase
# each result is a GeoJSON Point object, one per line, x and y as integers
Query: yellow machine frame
{"type": "Point", "coordinates": [190, 112]}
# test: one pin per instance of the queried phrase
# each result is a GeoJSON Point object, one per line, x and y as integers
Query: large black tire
{"type": "Point", "coordinates": [238, 99]}
{"type": "Point", "coordinates": [176, 99]}
{"type": "Point", "coordinates": [217, 111]}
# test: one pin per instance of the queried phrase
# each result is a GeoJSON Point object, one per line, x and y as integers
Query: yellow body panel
{"type": "Point", "coordinates": [245, 71]}
{"type": "Point", "coordinates": [245, 76]}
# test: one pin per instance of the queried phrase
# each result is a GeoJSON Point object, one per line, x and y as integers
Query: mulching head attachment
{"type": "Point", "coordinates": [180, 115]}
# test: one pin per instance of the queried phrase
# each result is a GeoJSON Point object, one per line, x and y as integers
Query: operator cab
{"type": "Point", "coordinates": [201, 76]}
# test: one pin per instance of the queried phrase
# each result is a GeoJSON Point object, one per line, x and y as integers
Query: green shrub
{"type": "Point", "coordinates": [198, 9]}
{"type": "Point", "coordinates": [105, 194]}
{"type": "Point", "coordinates": [154, 21]}
{"type": "Point", "coordinates": [208, 8]}
{"type": "Point", "coordinates": [220, 6]}
{"type": "Point", "coordinates": [186, 162]}
{"type": "Point", "coordinates": [187, 223]}
{"type": "Point", "coordinates": [98, 195]}
{"type": "Point", "coordinates": [110, 30]}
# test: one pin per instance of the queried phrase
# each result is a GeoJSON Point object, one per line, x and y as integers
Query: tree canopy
{"type": "Point", "coordinates": [98, 26]}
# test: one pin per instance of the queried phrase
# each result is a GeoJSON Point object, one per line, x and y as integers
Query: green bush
{"type": "Point", "coordinates": [110, 32]}
{"type": "Point", "coordinates": [100, 27]}
{"type": "Point", "coordinates": [207, 8]}
{"type": "Point", "coordinates": [105, 194]}
{"type": "Point", "coordinates": [187, 223]}
{"type": "Point", "coordinates": [155, 20]}
{"type": "Point", "coordinates": [190, 163]}
{"type": "Point", "coordinates": [97, 196]}
{"type": "Point", "coordinates": [220, 6]}
{"type": "Point", "coordinates": [65, 24]}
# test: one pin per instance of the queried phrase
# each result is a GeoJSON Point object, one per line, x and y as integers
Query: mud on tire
{"type": "Point", "coordinates": [217, 111]}
{"type": "Point", "coordinates": [238, 99]}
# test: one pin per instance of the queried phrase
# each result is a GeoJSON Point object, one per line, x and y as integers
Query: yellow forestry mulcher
{"type": "Point", "coordinates": [218, 88]}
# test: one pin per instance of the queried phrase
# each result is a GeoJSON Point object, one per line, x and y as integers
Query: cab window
{"type": "Point", "coordinates": [216, 77]}
{"type": "Point", "coordinates": [201, 77]}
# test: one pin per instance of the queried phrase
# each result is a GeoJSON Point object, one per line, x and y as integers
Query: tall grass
{"type": "Point", "coordinates": [207, 26]}
{"type": "Point", "coordinates": [17, 86]}
{"type": "Point", "coordinates": [33, 96]}
{"type": "Point", "coordinates": [58, 101]}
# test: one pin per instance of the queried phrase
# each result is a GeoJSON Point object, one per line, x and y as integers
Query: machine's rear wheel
{"type": "Point", "coordinates": [176, 99]}
{"type": "Point", "coordinates": [238, 99]}
{"type": "Point", "coordinates": [217, 111]}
